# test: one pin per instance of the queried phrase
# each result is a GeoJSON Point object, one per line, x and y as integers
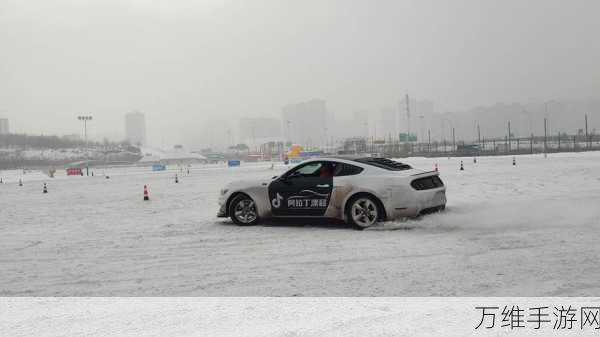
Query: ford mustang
{"type": "Point", "coordinates": [359, 191]}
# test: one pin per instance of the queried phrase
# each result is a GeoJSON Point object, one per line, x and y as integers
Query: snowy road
{"type": "Point", "coordinates": [529, 230]}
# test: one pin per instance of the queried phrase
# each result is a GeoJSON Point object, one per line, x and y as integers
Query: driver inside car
{"type": "Point", "coordinates": [326, 171]}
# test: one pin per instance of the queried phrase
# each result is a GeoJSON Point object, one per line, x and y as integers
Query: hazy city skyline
{"type": "Point", "coordinates": [186, 65]}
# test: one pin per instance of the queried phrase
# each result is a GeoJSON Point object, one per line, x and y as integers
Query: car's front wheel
{"type": "Point", "coordinates": [242, 211]}
{"type": "Point", "coordinates": [362, 212]}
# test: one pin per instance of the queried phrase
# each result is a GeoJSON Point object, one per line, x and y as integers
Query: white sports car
{"type": "Point", "coordinates": [359, 191]}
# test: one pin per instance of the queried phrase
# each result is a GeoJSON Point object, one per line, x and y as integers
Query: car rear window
{"type": "Point", "coordinates": [385, 163]}
{"type": "Point", "coordinates": [343, 169]}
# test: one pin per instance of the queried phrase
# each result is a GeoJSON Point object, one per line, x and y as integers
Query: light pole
{"type": "Point", "coordinates": [546, 125]}
{"type": "Point", "coordinates": [444, 133]}
{"type": "Point", "coordinates": [85, 119]}
{"type": "Point", "coordinates": [453, 141]}
{"type": "Point", "coordinates": [421, 129]}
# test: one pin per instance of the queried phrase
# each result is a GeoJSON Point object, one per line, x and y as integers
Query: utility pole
{"type": "Point", "coordinates": [587, 139]}
{"type": "Point", "coordinates": [85, 119]}
{"type": "Point", "coordinates": [407, 119]}
{"type": "Point", "coordinates": [531, 144]}
{"type": "Point", "coordinates": [453, 141]}
{"type": "Point", "coordinates": [429, 140]}
{"type": "Point", "coordinates": [545, 136]}
{"type": "Point", "coordinates": [546, 110]}
{"type": "Point", "coordinates": [421, 134]}
{"type": "Point", "coordinates": [509, 139]}
{"type": "Point", "coordinates": [478, 134]}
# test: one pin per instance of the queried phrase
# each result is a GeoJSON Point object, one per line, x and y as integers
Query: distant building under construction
{"type": "Point", "coordinates": [4, 130]}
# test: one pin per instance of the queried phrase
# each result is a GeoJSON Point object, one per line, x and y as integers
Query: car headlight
{"type": "Point", "coordinates": [224, 191]}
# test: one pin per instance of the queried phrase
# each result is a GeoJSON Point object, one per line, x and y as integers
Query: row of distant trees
{"type": "Point", "coordinates": [24, 141]}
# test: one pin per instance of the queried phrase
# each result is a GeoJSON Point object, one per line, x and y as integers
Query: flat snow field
{"type": "Point", "coordinates": [525, 230]}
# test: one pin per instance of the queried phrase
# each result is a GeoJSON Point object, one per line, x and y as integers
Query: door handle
{"type": "Point", "coordinates": [323, 185]}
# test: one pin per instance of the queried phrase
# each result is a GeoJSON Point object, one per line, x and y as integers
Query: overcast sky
{"type": "Point", "coordinates": [184, 62]}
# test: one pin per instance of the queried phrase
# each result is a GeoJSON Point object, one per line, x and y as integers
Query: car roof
{"type": "Point", "coordinates": [366, 162]}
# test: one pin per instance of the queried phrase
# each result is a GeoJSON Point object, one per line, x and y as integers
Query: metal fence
{"type": "Point", "coordinates": [485, 147]}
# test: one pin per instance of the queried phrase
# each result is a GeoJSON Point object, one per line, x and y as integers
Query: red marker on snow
{"type": "Point", "coordinates": [146, 197]}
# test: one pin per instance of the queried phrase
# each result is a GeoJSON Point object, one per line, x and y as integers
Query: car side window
{"type": "Point", "coordinates": [344, 169]}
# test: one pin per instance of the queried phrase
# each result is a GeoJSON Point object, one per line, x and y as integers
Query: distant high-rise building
{"type": "Point", "coordinates": [353, 125]}
{"type": "Point", "coordinates": [4, 130]}
{"type": "Point", "coordinates": [256, 131]}
{"type": "Point", "coordinates": [360, 119]}
{"type": "Point", "coordinates": [386, 126]}
{"type": "Point", "coordinates": [306, 123]}
{"type": "Point", "coordinates": [135, 128]}
{"type": "Point", "coordinates": [421, 119]}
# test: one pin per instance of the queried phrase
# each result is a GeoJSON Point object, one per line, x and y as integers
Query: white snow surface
{"type": "Point", "coordinates": [524, 230]}
{"type": "Point", "coordinates": [276, 316]}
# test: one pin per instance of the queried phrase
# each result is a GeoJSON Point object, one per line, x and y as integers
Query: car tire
{"type": "Point", "coordinates": [242, 211]}
{"type": "Point", "coordinates": [363, 211]}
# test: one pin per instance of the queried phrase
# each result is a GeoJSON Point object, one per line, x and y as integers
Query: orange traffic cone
{"type": "Point", "coordinates": [146, 197]}
{"type": "Point", "coordinates": [45, 190]}
{"type": "Point", "coordinates": [462, 168]}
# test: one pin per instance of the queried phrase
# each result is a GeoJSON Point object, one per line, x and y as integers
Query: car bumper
{"type": "Point", "coordinates": [222, 212]}
{"type": "Point", "coordinates": [421, 203]}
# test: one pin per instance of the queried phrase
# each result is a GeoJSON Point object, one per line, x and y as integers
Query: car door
{"type": "Point", "coordinates": [302, 191]}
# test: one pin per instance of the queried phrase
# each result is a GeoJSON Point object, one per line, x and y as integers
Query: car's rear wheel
{"type": "Point", "coordinates": [242, 211]}
{"type": "Point", "coordinates": [362, 212]}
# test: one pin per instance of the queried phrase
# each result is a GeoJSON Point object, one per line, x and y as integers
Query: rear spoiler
{"type": "Point", "coordinates": [429, 173]}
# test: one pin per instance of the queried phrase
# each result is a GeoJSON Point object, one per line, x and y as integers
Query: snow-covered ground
{"type": "Point", "coordinates": [283, 317]}
{"type": "Point", "coordinates": [525, 230]}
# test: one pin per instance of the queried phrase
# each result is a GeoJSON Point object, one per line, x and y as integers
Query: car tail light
{"type": "Point", "coordinates": [427, 183]}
